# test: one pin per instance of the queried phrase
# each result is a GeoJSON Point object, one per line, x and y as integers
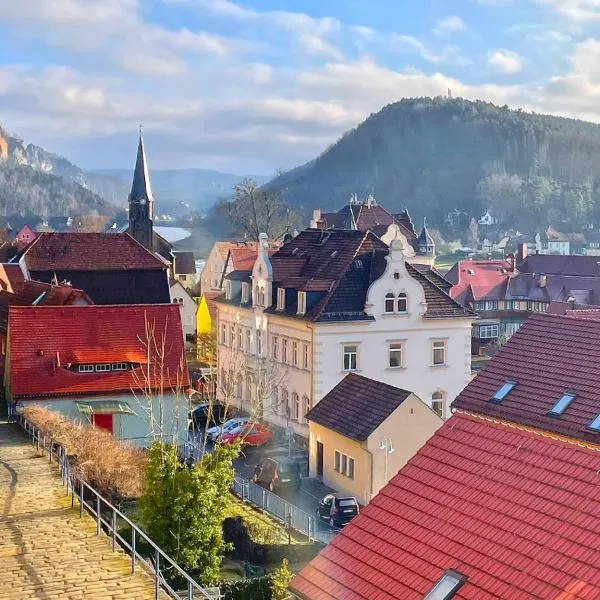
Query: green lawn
{"type": "Point", "coordinates": [445, 262]}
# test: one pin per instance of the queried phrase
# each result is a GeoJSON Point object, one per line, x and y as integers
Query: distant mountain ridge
{"type": "Point", "coordinates": [435, 155]}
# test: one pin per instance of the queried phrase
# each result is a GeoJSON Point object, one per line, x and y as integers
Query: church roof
{"type": "Point", "coordinates": [425, 238]}
{"type": "Point", "coordinates": [140, 188]}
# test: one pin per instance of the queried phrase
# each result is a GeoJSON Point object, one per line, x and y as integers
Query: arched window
{"type": "Point", "coordinates": [437, 403]}
{"type": "Point", "coordinates": [306, 407]}
{"type": "Point", "coordinates": [402, 303]}
{"type": "Point", "coordinates": [295, 406]}
{"type": "Point", "coordinates": [389, 302]}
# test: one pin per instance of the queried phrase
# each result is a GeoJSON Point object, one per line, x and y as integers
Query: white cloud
{"type": "Point", "coordinates": [448, 55]}
{"type": "Point", "coordinates": [579, 11]}
{"type": "Point", "coordinates": [449, 25]}
{"type": "Point", "coordinates": [505, 61]}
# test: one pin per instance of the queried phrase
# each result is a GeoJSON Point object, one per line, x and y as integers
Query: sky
{"type": "Point", "coordinates": [259, 86]}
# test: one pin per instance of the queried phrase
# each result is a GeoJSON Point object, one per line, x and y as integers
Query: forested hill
{"type": "Point", "coordinates": [436, 155]}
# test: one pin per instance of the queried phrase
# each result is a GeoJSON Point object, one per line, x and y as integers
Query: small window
{"type": "Point", "coordinates": [275, 347]}
{"type": "Point", "coordinates": [120, 366]}
{"type": "Point", "coordinates": [228, 290]}
{"type": "Point", "coordinates": [562, 404]}
{"type": "Point", "coordinates": [437, 403]}
{"type": "Point", "coordinates": [224, 334]}
{"type": "Point", "coordinates": [280, 298]}
{"type": "Point", "coordinates": [85, 368]}
{"type": "Point", "coordinates": [103, 367]}
{"type": "Point", "coordinates": [350, 358]}
{"type": "Point", "coordinates": [402, 303]}
{"type": "Point", "coordinates": [306, 358]}
{"type": "Point", "coordinates": [389, 302]}
{"type": "Point", "coordinates": [232, 336]}
{"type": "Point", "coordinates": [295, 354]}
{"type": "Point", "coordinates": [285, 402]}
{"type": "Point", "coordinates": [488, 331]}
{"type": "Point", "coordinates": [284, 351]}
{"type": "Point", "coordinates": [306, 407]}
{"type": "Point", "coordinates": [503, 391]}
{"type": "Point", "coordinates": [337, 461]}
{"type": "Point", "coordinates": [240, 338]}
{"type": "Point", "coordinates": [295, 406]}
{"type": "Point", "coordinates": [350, 468]}
{"type": "Point", "coordinates": [439, 353]}
{"type": "Point", "coordinates": [395, 356]}
{"type": "Point", "coordinates": [259, 342]}
{"type": "Point", "coordinates": [450, 582]}
{"type": "Point", "coordinates": [245, 292]}
{"type": "Point", "coordinates": [301, 303]}
{"type": "Point", "coordinates": [595, 424]}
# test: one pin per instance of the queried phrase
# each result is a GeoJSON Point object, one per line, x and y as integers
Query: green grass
{"type": "Point", "coordinates": [446, 261]}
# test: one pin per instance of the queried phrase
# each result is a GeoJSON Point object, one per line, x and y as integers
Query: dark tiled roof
{"type": "Point", "coordinates": [583, 266]}
{"type": "Point", "coordinates": [185, 263]}
{"type": "Point", "coordinates": [547, 288]}
{"type": "Point", "coordinates": [548, 356]}
{"type": "Point", "coordinates": [356, 406]}
{"type": "Point", "coordinates": [515, 512]}
{"type": "Point", "coordinates": [88, 252]}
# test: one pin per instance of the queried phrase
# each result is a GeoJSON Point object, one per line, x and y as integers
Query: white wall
{"type": "Point", "coordinates": [187, 309]}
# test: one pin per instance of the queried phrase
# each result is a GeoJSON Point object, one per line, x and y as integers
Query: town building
{"type": "Point", "coordinates": [363, 431]}
{"type": "Point", "coordinates": [121, 368]}
{"type": "Point", "coordinates": [184, 267]}
{"type": "Point", "coordinates": [110, 268]}
{"type": "Point", "coordinates": [330, 302]}
{"type": "Point", "coordinates": [206, 327]}
{"type": "Point", "coordinates": [502, 501]}
{"type": "Point", "coordinates": [187, 308]}
{"type": "Point", "coordinates": [487, 219]}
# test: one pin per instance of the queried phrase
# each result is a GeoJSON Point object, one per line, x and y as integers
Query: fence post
{"type": "Point", "coordinates": [114, 528]}
{"type": "Point", "coordinates": [80, 498]}
{"type": "Point", "coordinates": [98, 514]}
{"type": "Point", "coordinates": [190, 591]}
{"type": "Point", "coordinates": [133, 550]}
{"type": "Point", "coordinates": [156, 576]}
{"type": "Point", "coordinates": [263, 499]}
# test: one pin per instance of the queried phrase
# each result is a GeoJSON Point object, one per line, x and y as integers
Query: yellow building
{"type": "Point", "coordinates": [206, 323]}
{"type": "Point", "coordinates": [363, 432]}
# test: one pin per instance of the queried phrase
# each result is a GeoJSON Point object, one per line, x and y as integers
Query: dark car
{"type": "Point", "coordinates": [277, 474]}
{"type": "Point", "coordinates": [207, 414]}
{"type": "Point", "coordinates": [337, 510]}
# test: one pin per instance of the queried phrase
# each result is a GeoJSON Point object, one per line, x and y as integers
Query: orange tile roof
{"type": "Point", "coordinates": [45, 342]}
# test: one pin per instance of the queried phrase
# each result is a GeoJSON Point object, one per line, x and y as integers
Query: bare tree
{"type": "Point", "coordinates": [255, 210]}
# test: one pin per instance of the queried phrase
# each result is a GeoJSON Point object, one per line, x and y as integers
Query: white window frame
{"type": "Point", "coordinates": [228, 290]}
{"type": "Point", "coordinates": [284, 351]}
{"type": "Point", "coordinates": [301, 303]}
{"type": "Point", "coordinates": [248, 340]}
{"type": "Point", "coordinates": [259, 342]}
{"type": "Point", "coordinates": [306, 357]}
{"type": "Point", "coordinates": [346, 352]}
{"type": "Point", "coordinates": [307, 407]}
{"type": "Point", "coordinates": [391, 298]}
{"type": "Point", "coordinates": [440, 397]}
{"type": "Point", "coordinates": [245, 292]}
{"type": "Point", "coordinates": [85, 368]}
{"type": "Point", "coordinates": [275, 348]}
{"type": "Point", "coordinates": [486, 332]}
{"type": "Point", "coordinates": [437, 345]}
{"type": "Point", "coordinates": [224, 334]}
{"type": "Point", "coordinates": [395, 348]}
{"type": "Point", "coordinates": [281, 299]}
{"type": "Point", "coordinates": [343, 464]}
{"type": "Point", "coordinates": [402, 297]}
{"type": "Point", "coordinates": [232, 336]}
{"type": "Point", "coordinates": [240, 336]}
{"type": "Point", "coordinates": [294, 353]}
{"type": "Point", "coordinates": [122, 366]}
{"type": "Point", "coordinates": [296, 411]}
{"type": "Point", "coordinates": [102, 367]}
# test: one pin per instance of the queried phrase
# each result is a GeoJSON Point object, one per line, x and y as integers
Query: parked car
{"type": "Point", "coordinates": [278, 473]}
{"type": "Point", "coordinates": [214, 432]}
{"type": "Point", "coordinates": [337, 510]}
{"type": "Point", "coordinates": [207, 414]}
{"type": "Point", "coordinates": [252, 433]}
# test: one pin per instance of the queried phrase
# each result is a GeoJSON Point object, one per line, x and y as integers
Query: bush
{"type": "Point", "coordinates": [114, 469]}
{"type": "Point", "coordinates": [258, 588]}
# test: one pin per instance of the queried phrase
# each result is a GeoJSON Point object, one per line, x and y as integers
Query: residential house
{"type": "Point", "coordinates": [555, 244]}
{"type": "Point", "coordinates": [593, 243]}
{"type": "Point", "coordinates": [502, 501]}
{"type": "Point", "coordinates": [24, 236]}
{"type": "Point", "coordinates": [184, 268]}
{"type": "Point", "coordinates": [363, 431]}
{"type": "Point", "coordinates": [110, 268]}
{"type": "Point", "coordinates": [330, 302]}
{"type": "Point", "coordinates": [121, 368]}
{"type": "Point", "coordinates": [211, 277]}
{"type": "Point", "coordinates": [187, 307]}
{"type": "Point", "coordinates": [487, 219]}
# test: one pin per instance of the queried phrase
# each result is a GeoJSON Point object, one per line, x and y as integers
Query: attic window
{"type": "Point", "coordinates": [595, 424]}
{"type": "Point", "coordinates": [280, 298]}
{"type": "Point", "coordinates": [228, 290]}
{"type": "Point", "coordinates": [561, 405]}
{"type": "Point", "coordinates": [245, 292]}
{"type": "Point", "coordinates": [446, 588]}
{"type": "Point", "coordinates": [301, 303]}
{"type": "Point", "coordinates": [502, 391]}
{"type": "Point", "coordinates": [358, 264]}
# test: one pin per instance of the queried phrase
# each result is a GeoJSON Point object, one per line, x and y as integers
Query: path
{"type": "Point", "coordinates": [46, 551]}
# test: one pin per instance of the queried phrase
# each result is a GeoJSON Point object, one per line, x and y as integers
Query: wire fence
{"type": "Point", "coordinates": [111, 520]}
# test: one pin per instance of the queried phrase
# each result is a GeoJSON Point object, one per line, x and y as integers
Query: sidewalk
{"type": "Point", "coordinates": [46, 551]}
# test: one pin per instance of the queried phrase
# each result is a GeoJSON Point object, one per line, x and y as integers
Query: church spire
{"type": "Point", "coordinates": [140, 188]}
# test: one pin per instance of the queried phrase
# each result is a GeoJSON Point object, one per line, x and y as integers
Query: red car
{"type": "Point", "coordinates": [251, 434]}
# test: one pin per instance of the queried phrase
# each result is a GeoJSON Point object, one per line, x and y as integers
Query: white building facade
{"type": "Point", "coordinates": [276, 353]}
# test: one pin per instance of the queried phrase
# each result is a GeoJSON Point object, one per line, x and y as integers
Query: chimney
{"type": "Point", "coordinates": [571, 302]}
{"type": "Point", "coordinates": [521, 252]}
{"type": "Point", "coordinates": [511, 261]}
{"type": "Point", "coordinates": [543, 279]}
{"type": "Point", "coordinates": [314, 223]}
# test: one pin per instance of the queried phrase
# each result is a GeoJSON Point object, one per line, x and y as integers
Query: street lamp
{"type": "Point", "coordinates": [386, 446]}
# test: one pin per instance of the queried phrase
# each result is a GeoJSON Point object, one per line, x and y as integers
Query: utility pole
{"type": "Point", "coordinates": [386, 446]}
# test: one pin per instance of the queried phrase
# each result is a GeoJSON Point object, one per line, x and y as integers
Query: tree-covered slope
{"type": "Point", "coordinates": [437, 155]}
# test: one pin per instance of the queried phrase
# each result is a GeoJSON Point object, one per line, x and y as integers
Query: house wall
{"type": "Point", "coordinates": [133, 428]}
{"type": "Point", "coordinates": [210, 277]}
{"type": "Point", "coordinates": [187, 308]}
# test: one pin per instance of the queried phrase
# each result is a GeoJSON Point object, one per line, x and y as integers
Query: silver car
{"type": "Point", "coordinates": [214, 432]}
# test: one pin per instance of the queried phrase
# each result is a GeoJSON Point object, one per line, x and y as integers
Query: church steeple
{"type": "Point", "coordinates": [141, 201]}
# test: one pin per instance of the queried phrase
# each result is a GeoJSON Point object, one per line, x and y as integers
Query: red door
{"type": "Point", "coordinates": [103, 421]}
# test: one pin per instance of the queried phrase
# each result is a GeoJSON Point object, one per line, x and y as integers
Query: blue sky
{"type": "Point", "coordinates": [252, 87]}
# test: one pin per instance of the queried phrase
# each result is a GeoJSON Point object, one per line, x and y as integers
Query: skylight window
{"type": "Point", "coordinates": [447, 586]}
{"type": "Point", "coordinates": [595, 424]}
{"type": "Point", "coordinates": [502, 391]}
{"type": "Point", "coordinates": [562, 404]}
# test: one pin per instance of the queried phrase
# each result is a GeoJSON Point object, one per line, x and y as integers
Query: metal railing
{"type": "Point", "coordinates": [282, 510]}
{"type": "Point", "coordinates": [108, 518]}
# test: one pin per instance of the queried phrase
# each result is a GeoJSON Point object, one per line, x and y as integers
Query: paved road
{"type": "Point", "coordinates": [46, 551]}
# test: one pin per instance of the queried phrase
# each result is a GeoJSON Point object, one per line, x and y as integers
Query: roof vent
{"type": "Point", "coordinates": [470, 272]}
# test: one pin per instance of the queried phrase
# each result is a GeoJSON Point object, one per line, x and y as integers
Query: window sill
{"type": "Point", "coordinates": [444, 366]}
{"type": "Point", "coordinates": [395, 368]}
{"type": "Point", "coordinates": [345, 371]}
{"type": "Point", "coordinates": [395, 314]}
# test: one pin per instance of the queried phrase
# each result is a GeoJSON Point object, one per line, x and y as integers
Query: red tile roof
{"type": "Point", "coordinates": [88, 252]}
{"type": "Point", "coordinates": [243, 259]}
{"type": "Point", "coordinates": [44, 340]}
{"type": "Point", "coordinates": [516, 512]}
{"type": "Point", "coordinates": [11, 275]}
{"type": "Point", "coordinates": [479, 280]}
{"type": "Point", "coordinates": [548, 356]}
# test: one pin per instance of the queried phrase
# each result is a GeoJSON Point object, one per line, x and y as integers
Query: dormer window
{"type": "Point", "coordinates": [402, 303]}
{"type": "Point", "coordinates": [259, 295]}
{"type": "Point", "coordinates": [245, 292]}
{"type": "Point", "coordinates": [503, 391]}
{"type": "Point", "coordinates": [228, 290]}
{"type": "Point", "coordinates": [561, 405]}
{"type": "Point", "coordinates": [389, 302]}
{"type": "Point", "coordinates": [301, 303]}
{"type": "Point", "coordinates": [280, 298]}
